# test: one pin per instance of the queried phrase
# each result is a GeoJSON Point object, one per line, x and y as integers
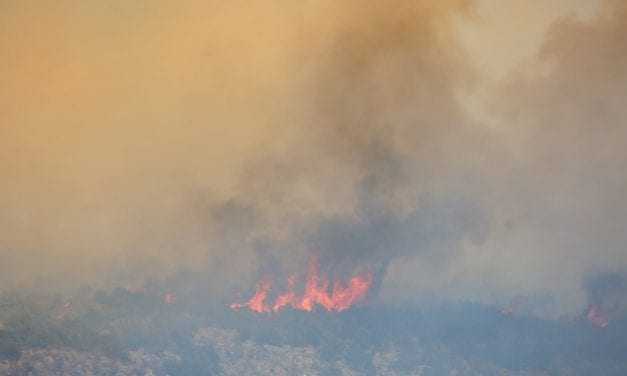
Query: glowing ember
{"type": "Point", "coordinates": [597, 317]}
{"type": "Point", "coordinates": [169, 298]}
{"type": "Point", "coordinates": [65, 311]}
{"type": "Point", "coordinates": [317, 292]}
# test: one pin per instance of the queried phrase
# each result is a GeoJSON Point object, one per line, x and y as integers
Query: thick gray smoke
{"type": "Point", "coordinates": [239, 138]}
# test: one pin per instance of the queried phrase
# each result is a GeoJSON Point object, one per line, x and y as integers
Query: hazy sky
{"type": "Point", "coordinates": [145, 136]}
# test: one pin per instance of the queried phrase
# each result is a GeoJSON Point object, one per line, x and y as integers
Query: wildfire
{"type": "Point", "coordinates": [336, 297]}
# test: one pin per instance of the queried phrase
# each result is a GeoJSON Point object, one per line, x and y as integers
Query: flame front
{"type": "Point", "coordinates": [317, 292]}
{"type": "Point", "coordinates": [258, 302]}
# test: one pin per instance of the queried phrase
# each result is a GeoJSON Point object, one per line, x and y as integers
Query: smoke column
{"type": "Point", "coordinates": [459, 149]}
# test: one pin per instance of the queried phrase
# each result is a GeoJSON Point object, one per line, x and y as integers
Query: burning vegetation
{"type": "Point", "coordinates": [335, 295]}
{"type": "Point", "coordinates": [150, 160]}
{"type": "Point", "coordinates": [138, 331]}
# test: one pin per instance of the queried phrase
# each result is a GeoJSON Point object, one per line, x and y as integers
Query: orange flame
{"type": "Point", "coordinates": [257, 302]}
{"type": "Point", "coordinates": [287, 298]}
{"type": "Point", "coordinates": [317, 292]}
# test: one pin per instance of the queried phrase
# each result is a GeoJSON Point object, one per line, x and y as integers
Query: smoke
{"type": "Point", "coordinates": [241, 138]}
{"type": "Point", "coordinates": [563, 116]}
